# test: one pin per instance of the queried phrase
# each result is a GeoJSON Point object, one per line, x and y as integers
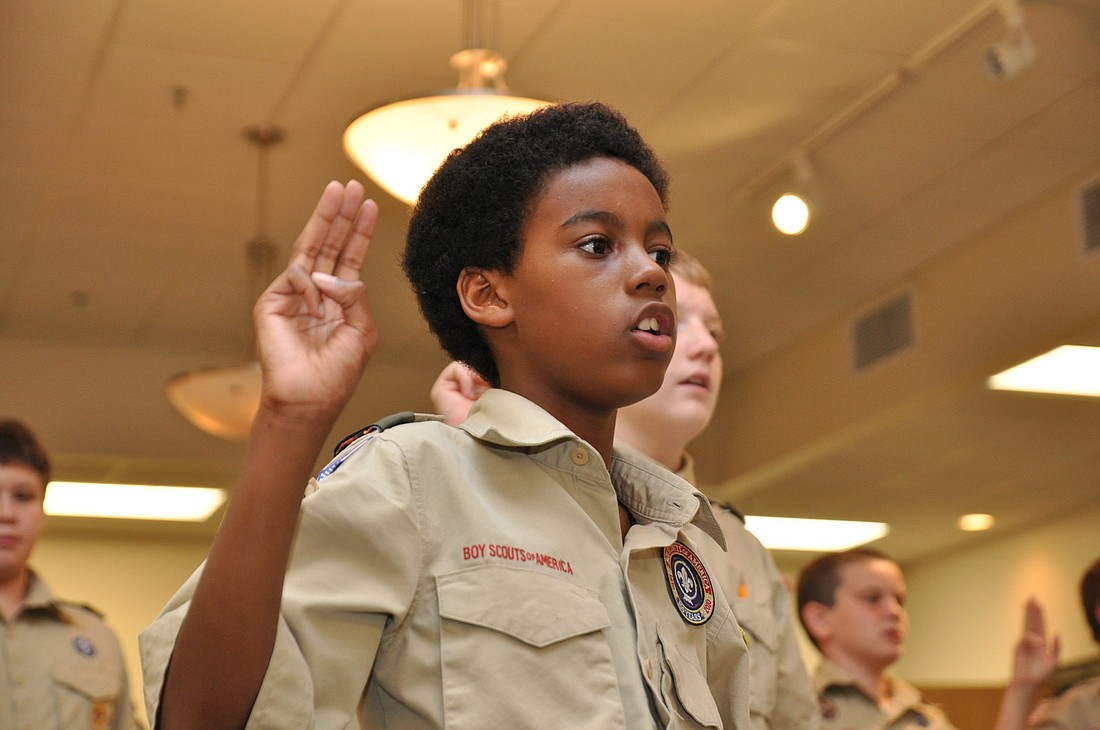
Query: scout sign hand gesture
{"type": "Point", "coordinates": [314, 326]}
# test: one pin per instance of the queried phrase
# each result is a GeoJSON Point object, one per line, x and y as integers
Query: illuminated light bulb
{"type": "Point", "coordinates": [790, 214]}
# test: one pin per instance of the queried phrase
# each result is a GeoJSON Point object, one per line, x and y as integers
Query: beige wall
{"type": "Point", "coordinates": [127, 579]}
{"type": "Point", "coordinates": [965, 608]}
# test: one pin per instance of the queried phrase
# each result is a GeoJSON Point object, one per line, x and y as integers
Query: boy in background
{"type": "Point", "coordinates": [61, 666]}
{"type": "Point", "coordinates": [852, 605]}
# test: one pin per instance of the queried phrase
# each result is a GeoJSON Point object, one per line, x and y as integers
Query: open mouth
{"type": "Point", "coordinates": [656, 319]}
{"type": "Point", "coordinates": [650, 325]}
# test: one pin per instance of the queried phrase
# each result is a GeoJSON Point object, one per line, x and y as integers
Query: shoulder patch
{"type": "Point", "coordinates": [353, 441]}
{"type": "Point", "coordinates": [729, 508]}
{"type": "Point", "coordinates": [381, 424]}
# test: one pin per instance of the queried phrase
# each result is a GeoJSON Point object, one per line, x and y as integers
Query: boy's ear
{"type": "Point", "coordinates": [815, 617]}
{"type": "Point", "coordinates": [482, 297]}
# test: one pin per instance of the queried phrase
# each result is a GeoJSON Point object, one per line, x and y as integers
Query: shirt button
{"type": "Point", "coordinates": [579, 456]}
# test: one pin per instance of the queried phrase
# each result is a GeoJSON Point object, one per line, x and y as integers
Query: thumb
{"type": "Point", "coordinates": [345, 291]}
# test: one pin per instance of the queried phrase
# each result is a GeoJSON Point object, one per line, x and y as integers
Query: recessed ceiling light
{"type": "Point", "coordinates": [975, 522]}
{"type": "Point", "coordinates": [1065, 370]}
{"type": "Point", "coordinates": [132, 501]}
{"type": "Point", "coordinates": [791, 533]}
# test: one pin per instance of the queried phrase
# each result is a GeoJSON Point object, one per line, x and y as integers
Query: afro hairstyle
{"type": "Point", "coordinates": [471, 213]}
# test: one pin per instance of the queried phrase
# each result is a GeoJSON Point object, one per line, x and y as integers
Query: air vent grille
{"type": "Point", "coordinates": [883, 331]}
{"type": "Point", "coordinates": [1090, 217]}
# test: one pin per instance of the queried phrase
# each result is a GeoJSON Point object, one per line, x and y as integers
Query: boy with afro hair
{"type": "Point", "coordinates": [514, 572]}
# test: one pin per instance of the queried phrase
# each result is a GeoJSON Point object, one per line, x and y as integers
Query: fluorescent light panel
{"type": "Point", "coordinates": [1065, 370]}
{"type": "Point", "coordinates": [132, 501]}
{"type": "Point", "coordinates": [792, 533]}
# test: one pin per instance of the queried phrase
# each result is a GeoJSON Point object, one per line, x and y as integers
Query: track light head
{"type": "Point", "coordinates": [1011, 56]}
{"type": "Point", "coordinates": [1016, 52]}
{"type": "Point", "coordinates": [792, 210]}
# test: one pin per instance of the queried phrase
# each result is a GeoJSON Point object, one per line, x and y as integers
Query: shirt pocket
{"type": "Point", "coordinates": [87, 694]}
{"type": "Point", "coordinates": [684, 687]}
{"type": "Point", "coordinates": [522, 649]}
{"type": "Point", "coordinates": [763, 639]}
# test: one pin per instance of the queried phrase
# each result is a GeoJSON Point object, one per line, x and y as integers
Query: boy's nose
{"type": "Point", "coordinates": [651, 274]}
{"type": "Point", "coordinates": [702, 343]}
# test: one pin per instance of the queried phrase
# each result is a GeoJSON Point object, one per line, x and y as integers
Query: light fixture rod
{"type": "Point", "coordinates": [480, 22]}
{"type": "Point", "coordinates": [1012, 13]}
{"type": "Point", "coordinates": [260, 249]}
{"type": "Point", "coordinates": [881, 90]}
{"type": "Point", "coordinates": [264, 137]}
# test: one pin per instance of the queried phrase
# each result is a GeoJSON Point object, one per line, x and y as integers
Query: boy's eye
{"type": "Point", "coordinates": [597, 245]}
{"type": "Point", "coordinates": [24, 496]}
{"type": "Point", "coordinates": [662, 256]}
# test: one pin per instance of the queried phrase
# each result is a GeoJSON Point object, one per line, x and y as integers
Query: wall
{"type": "Point", "coordinates": [966, 608]}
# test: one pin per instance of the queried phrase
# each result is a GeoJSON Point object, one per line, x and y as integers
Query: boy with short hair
{"type": "Point", "coordinates": [60, 665]}
{"type": "Point", "coordinates": [516, 571]}
{"type": "Point", "coordinates": [852, 605]}
{"type": "Point", "coordinates": [661, 426]}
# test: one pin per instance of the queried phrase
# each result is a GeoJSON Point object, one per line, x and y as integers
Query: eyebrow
{"type": "Point", "coordinates": [608, 217]}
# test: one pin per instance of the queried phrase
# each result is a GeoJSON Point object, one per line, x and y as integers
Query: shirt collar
{"type": "Point", "coordinates": [648, 490]}
{"type": "Point", "coordinates": [39, 596]}
{"type": "Point", "coordinates": [504, 418]}
{"type": "Point", "coordinates": [903, 696]}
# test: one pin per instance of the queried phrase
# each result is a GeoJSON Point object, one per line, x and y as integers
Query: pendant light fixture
{"type": "Point", "coordinates": [400, 145]}
{"type": "Point", "coordinates": [223, 400]}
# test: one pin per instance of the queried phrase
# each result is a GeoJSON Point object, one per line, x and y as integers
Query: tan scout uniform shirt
{"type": "Point", "coordinates": [476, 578]}
{"type": "Point", "coordinates": [1078, 708]}
{"type": "Point", "coordinates": [61, 668]}
{"type": "Point", "coordinates": [781, 695]}
{"type": "Point", "coordinates": [845, 707]}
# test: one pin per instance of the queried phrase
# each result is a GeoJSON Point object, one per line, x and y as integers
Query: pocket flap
{"type": "Point", "coordinates": [759, 622]}
{"type": "Point", "coordinates": [87, 678]}
{"type": "Point", "coordinates": [535, 608]}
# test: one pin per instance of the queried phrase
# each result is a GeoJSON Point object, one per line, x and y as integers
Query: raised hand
{"type": "Point", "coordinates": [315, 334]}
{"type": "Point", "coordinates": [1036, 656]}
{"type": "Point", "coordinates": [455, 390]}
{"type": "Point", "coordinates": [314, 327]}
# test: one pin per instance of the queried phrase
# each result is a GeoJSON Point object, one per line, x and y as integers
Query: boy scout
{"type": "Point", "coordinates": [852, 605]}
{"type": "Point", "coordinates": [781, 695]}
{"type": "Point", "coordinates": [660, 427]}
{"type": "Point", "coordinates": [60, 666]}
{"type": "Point", "coordinates": [516, 572]}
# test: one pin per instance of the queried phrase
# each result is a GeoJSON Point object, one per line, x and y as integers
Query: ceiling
{"type": "Point", "coordinates": [129, 192]}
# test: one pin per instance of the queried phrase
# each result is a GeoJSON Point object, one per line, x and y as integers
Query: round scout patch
{"type": "Point", "coordinates": [84, 646]}
{"type": "Point", "coordinates": [689, 584]}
